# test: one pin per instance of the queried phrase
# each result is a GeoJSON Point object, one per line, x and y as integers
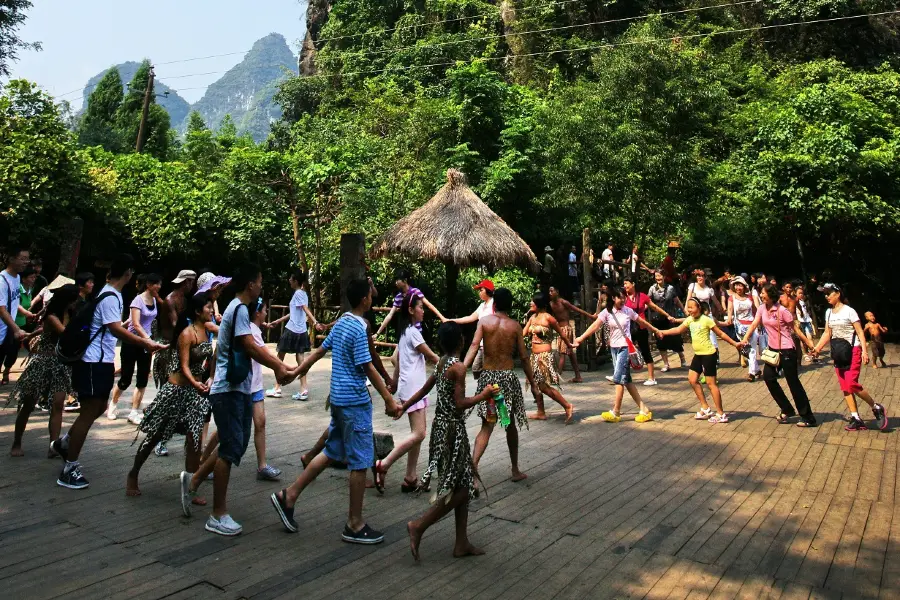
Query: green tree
{"type": "Point", "coordinates": [12, 15]}
{"type": "Point", "coordinates": [200, 145]}
{"type": "Point", "coordinates": [157, 141]}
{"type": "Point", "coordinates": [98, 124]}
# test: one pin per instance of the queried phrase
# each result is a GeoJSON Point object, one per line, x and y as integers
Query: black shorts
{"type": "Point", "coordinates": [641, 337]}
{"type": "Point", "coordinates": [705, 364]}
{"type": "Point", "coordinates": [93, 380]}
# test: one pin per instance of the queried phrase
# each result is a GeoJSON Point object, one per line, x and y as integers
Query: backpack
{"type": "Point", "coordinates": [76, 338]}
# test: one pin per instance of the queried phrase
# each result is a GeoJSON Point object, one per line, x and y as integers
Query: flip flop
{"type": "Point", "coordinates": [379, 476]}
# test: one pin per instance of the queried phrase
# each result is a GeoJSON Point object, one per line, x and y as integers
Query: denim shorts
{"type": "Point", "coordinates": [621, 366]}
{"type": "Point", "coordinates": [233, 412]}
{"type": "Point", "coordinates": [350, 436]}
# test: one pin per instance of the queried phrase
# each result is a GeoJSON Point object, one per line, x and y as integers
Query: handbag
{"type": "Point", "coordinates": [238, 366]}
{"type": "Point", "coordinates": [842, 352]}
{"type": "Point", "coordinates": [634, 357]}
{"type": "Point", "coordinates": [773, 357]}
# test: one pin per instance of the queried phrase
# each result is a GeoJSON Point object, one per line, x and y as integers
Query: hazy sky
{"type": "Point", "coordinates": [82, 38]}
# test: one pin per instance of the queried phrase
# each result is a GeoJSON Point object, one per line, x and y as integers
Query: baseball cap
{"type": "Point", "coordinates": [830, 287]}
{"type": "Point", "coordinates": [485, 284]}
{"type": "Point", "coordinates": [184, 275]}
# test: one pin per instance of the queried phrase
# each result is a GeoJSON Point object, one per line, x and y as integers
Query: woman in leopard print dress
{"type": "Point", "coordinates": [449, 452]}
{"type": "Point", "coordinates": [181, 405]}
{"type": "Point", "coordinates": [45, 378]}
{"type": "Point", "coordinates": [541, 328]}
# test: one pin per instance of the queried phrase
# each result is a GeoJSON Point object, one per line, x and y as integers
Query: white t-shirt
{"type": "Point", "coordinates": [743, 309]}
{"type": "Point", "coordinates": [803, 312]}
{"type": "Point", "coordinates": [607, 255]}
{"type": "Point", "coordinates": [704, 294]}
{"type": "Point", "coordinates": [412, 364]}
{"type": "Point", "coordinates": [634, 262]}
{"type": "Point", "coordinates": [9, 297]}
{"type": "Point", "coordinates": [297, 322]}
{"type": "Point", "coordinates": [109, 310]}
{"type": "Point", "coordinates": [256, 381]}
{"type": "Point", "coordinates": [573, 265]}
{"type": "Point", "coordinates": [841, 323]}
{"type": "Point", "coordinates": [623, 318]}
{"type": "Point", "coordinates": [485, 309]}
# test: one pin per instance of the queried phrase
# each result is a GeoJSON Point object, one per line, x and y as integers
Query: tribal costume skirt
{"type": "Point", "coordinates": [176, 409]}
{"type": "Point", "coordinates": [44, 376]}
{"type": "Point", "coordinates": [450, 456]}
{"type": "Point", "coordinates": [512, 395]}
{"type": "Point", "coordinates": [543, 366]}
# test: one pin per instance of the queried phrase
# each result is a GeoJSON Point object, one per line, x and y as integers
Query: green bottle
{"type": "Point", "coordinates": [501, 407]}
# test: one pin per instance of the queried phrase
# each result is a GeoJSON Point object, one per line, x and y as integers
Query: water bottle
{"type": "Point", "coordinates": [501, 406]}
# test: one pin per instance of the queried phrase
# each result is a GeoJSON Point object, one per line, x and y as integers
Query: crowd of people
{"type": "Point", "coordinates": [207, 366]}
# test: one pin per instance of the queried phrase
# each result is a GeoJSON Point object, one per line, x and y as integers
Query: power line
{"type": "Point", "coordinates": [551, 29]}
{"type": "Point", "coordinates": [618, 44]}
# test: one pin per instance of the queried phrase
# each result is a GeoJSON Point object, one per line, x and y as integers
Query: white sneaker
{"type": "Point", "coordinates": [135, 417]}
{"type": "Point", "coordinates": [609, 378]}
{"type": "Point", "coordinates": [223, 526]}
{"type": "Point", "coordinates": [650, 382]}
{"type": "Point", "coordinates": [665, 369]}
{"type": "Point", "coordinates": [111, 413]}
{"type": "Point", "coordinates": [273, 393]}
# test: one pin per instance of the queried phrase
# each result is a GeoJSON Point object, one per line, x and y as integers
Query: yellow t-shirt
{"type": "Point", "coordinates": [700, 328]}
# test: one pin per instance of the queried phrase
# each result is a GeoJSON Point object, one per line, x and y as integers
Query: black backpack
{"type": "Point", "coordinates": [75, 339]}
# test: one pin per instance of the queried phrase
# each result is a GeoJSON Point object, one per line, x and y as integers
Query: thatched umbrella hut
{"type": "Point", "coordinates": [456, 228]}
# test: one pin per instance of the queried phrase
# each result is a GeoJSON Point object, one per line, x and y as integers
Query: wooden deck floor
{"type": "Point", "coordinates": [675, 508]}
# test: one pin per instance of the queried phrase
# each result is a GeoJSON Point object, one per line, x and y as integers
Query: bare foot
{"type": "Point", "coordinates": [16, 452]}
{"type": "Point", "coordinates": [198, 500]}
{"type": "Point", "coordinates": [415, 538]}
{"type": "Point", "coordinates": [518, 476]}
{"type": "Point", "coordinates": [467, 550]}
{"type": "Point", "coordinates": [575, 380]}
{"type": "Point", "coordinates": [570, 412]}
{"type": "Point", "coordinates": [537, 416]}
{"type": "Point", "coordinates": [369, 484]}
{"type": "Point", "coordinates": [131, 487]}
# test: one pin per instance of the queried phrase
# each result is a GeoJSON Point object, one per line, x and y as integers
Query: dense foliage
{"type": "Point", "coordinates": [763, 143]}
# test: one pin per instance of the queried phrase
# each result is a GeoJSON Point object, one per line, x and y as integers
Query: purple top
{"type": "Point", "coordinates": [398, 300]}
{"type": "Point", "coordinates": [147, 314]}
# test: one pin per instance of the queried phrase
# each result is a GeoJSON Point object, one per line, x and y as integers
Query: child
{"type": "Point", "coordinates": [295, 337]}
{"type": "Point", "coordinates": [350, 437]}
{"type": "Point", "coordinates": [409, 373]}
{"type": "Point", "coordinates": [704, 362]}
{"type": "Point", "coordinates": [876, 344]}
{"type": "Point", "coordinates": [264, 471]}
{"type": "Point", "coordinates": [449, 452]}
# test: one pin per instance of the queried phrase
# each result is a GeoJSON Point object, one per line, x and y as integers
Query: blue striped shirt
{"type": "Point", "coordinates": [349, 346]}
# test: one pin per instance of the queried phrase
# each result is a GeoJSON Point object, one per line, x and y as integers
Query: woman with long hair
{"type": "Point", "coordinates": [46, 377]}
{"type": "Point", "coordinates": [844, 330]}
{"type": "Point", "coordinates": [641, 303]}
{"type": "Point", "coordinates": [409, 373]}
{"type": "Point", "coordinates": [618, 318]}
{"type": "Point", "coordinates": [182, 404]}
{"type": "Point", "coordinates": [541, 327]}
{"type": "Point", "coordinates": [143, 311]}
{"type": "Point", "coordinates": [741, 313]}
{"type": "Point", "coordinates": [780, 324]}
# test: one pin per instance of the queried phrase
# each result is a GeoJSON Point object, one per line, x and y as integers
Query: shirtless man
{"type": "Point", "coordinates": [561, 308]}
{"type": "Point", "coordinates": [502, 338]}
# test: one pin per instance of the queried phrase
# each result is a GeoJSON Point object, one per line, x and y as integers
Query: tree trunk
{"type": "Point", "coordinates": [298, 243]}
{"type": "Point", "coordinates": [588, 294]}
{"type": "Point", "coordinates": [802, 259]}
{"type": "Point", "coordinates": [452, 277]}
{"type": "Point", "coordinates": [317, 284]}
{"type": "Point", "coordinates": [353, 255]}
{"type": "Point", "coordinates": [71, 247]}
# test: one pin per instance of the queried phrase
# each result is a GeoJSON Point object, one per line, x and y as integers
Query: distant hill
{"type": "Point", "coordinates": [177, 106]}
{"type": "Point", "coordinates": [246, 91]}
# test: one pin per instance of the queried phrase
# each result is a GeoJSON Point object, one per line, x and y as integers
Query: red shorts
{"type": "Point", "coordinates": [849, 378]}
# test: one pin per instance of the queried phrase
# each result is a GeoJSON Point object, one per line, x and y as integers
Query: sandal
{"type": "Point", "coordinates": [783, 419]}
{"type": "Point", "coordinates": [703, 414]}
{"type": "Point", "coordinates": [803, 423]}
{"type": "Point", "coordinates": [408, 487]}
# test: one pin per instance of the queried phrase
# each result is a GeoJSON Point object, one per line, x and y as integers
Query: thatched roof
{"type": "Point", "coordinates": [457, 228]}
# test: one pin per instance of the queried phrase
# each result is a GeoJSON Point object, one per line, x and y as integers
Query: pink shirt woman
{"type": "Point", "coordinates": [779, 324]}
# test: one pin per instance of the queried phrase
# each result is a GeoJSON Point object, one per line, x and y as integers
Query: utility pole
{"type": "Point", "coordinates": [144, 112]}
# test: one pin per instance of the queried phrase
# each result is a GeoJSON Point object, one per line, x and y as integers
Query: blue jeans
{"type": "Point", "coordinates": [621, 366]}
{"type": "Point", "coordinates": [350, 436]}
{"type": "Point", "coordinates": [233, 412]}
{"type": "Point", "coordinates": [806, 328]}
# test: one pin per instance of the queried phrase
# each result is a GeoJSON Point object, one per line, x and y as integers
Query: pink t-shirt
{"type": "Point", "coordinates": [624, 318]}
{"type": "Point", "coordinates": [779, 323]}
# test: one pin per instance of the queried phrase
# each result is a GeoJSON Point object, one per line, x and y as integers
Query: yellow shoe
{"type": "Point", "coordinates": [610, 417]}
{"type": "Point", "coordinates": [643, 418]}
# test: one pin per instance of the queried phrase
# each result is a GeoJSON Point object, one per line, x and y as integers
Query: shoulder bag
{"type": "Point", "coordinates": [634, 357]}
{"type": "Point", "coordinates": [841, 349]}
{"type": "Point", "coordinates": [238, 366]}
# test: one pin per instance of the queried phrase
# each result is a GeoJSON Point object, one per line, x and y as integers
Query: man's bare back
{"type": "Point", "coordinates": [502, 341]}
